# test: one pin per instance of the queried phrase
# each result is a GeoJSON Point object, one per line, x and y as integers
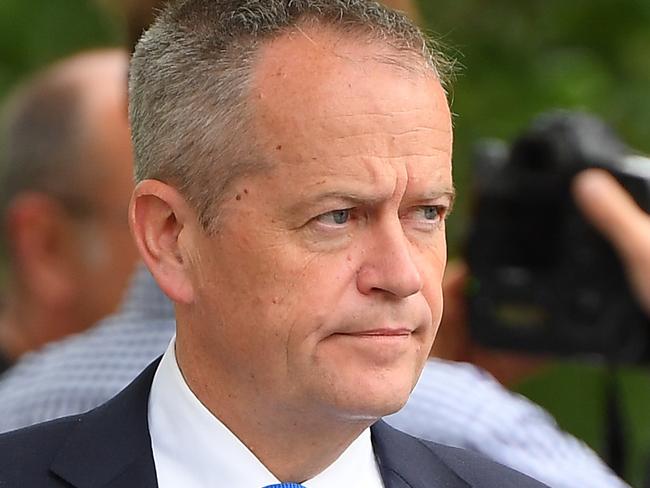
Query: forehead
{"type": "Point", "coordinates": [323, 99]}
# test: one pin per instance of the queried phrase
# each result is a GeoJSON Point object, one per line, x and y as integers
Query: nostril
{"type": "Point", "coordinates": [398, 279]}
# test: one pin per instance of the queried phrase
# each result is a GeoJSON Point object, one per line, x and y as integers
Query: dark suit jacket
{"type": "Point", "coordinates": [110, 447]}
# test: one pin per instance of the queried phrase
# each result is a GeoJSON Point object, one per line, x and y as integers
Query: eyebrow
{"type": "Point", "coordinates": [348, 196]}
{"type": "Point", "coordinates": [434, 195]}
{"type": "Point", "coordinates": [354, 199]}
{"type": "Point", "coordinates": [451, 194]}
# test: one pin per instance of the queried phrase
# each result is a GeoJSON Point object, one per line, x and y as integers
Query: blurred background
{"type": "Point", "coordinates": [516, 59]}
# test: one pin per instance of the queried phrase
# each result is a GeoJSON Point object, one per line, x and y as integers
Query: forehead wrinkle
{"type": "Point", "coordinates": [369, 179]}
{"type": "Point", "coordinates": [303, 116]}
{"type": "Point", "coordinates": [390, 143]}
{"type": "Point", "coordinates": [394, 124]}
{"type": "Point", "coordinates": [415, 130]}
{"type": "Point", "coordinates": [398, 156]}
{"type": "Point", "coordinates": [392, 112]}
{"type": "Point", "coordinates": [430, 194]}
{"type": "Point", "coordinates": [383, 110]}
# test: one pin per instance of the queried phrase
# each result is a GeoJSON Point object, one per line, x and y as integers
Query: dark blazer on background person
{"type": "Point", "coordinates": [110, 447]}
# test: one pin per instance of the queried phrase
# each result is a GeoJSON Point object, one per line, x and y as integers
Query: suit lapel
{"type": "Point", "coordinates": [110, 446]}
{"type": "Point", "coordinates": [405, 462]}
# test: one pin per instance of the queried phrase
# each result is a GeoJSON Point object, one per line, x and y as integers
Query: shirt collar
{"type": "Point", "coordinates": [192, 447]}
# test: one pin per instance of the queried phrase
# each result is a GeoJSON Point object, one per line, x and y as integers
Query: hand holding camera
{"type": "Point", "coordinates": [544, 277]}
{"type": "Point", "coordinates": [617, 216]}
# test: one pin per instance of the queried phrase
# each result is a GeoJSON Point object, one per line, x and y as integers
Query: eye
{"type": "Point", "coordinates": [335, 217]}
{"type": "Point", "coordinates": [431, 212]}
{"type": "Point", "coordinates": [427, 215]}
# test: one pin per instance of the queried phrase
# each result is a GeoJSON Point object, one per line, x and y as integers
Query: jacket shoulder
{"type": "Point", "coordinates": [477, 470]}
{"type": "Point", "coordinates": [86, 450]}
{"type": "Point", "coordinates": [414, 462]}
{"type": "Point", "coordinates": [28, 453]}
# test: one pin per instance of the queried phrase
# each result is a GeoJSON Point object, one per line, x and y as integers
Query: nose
{"type": "Point", "coordinates": [388, 265]}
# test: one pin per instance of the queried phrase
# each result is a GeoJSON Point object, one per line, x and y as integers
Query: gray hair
{"type": "Point", "coordinates": [191, 73]}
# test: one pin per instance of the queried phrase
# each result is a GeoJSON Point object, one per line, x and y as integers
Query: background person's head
{"type": "Point", "coordinates": [66, 177]}
{"type": "Point", "coordinates": [294, 168]}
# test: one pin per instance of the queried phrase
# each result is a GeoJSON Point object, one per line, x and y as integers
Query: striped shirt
{"type": "Point", "coordinates": [453, 403]}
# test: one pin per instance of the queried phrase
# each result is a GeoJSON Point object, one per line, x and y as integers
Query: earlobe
{"type": "Point", "coordinates": [158, 215]}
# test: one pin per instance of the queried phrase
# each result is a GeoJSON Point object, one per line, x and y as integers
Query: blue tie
{"type": "Point", "coordinates": [285, 485]}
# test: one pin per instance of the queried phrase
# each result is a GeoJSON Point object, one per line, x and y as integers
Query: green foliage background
{"type": "Point", "coordinates": [518, 57]}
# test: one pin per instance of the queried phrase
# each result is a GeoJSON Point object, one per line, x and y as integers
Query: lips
{"type": "Point", "coordinates": [382, 333]}
{"type": "Point", "coordinates": [386, 332]}
{"type": "Point", "coordinates": [379, 347]}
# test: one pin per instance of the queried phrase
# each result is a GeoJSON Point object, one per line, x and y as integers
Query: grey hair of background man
{"type": "Point", "coordinates": [191, 72]}
{"type": "Point", "coordinates": [44, 134]}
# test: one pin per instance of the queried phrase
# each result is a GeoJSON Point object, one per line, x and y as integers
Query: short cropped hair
{"type": "Point", "coordinates": [191, 74]}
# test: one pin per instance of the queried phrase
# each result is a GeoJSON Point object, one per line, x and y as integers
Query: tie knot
{"type": "Point", "coordinates": [285, 485]}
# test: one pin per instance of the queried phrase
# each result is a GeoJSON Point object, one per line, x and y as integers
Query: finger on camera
{"type": "Point", "coordinates": [611, 209]}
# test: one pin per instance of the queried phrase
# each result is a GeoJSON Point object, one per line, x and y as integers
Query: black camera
{"type": "Point", "coordinates": [541, 278]}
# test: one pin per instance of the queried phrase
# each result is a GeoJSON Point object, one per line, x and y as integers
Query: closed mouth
{"type": "Point", "coordinates": [381, 333]}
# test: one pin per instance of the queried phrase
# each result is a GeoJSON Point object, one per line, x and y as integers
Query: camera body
{"type": "Point", "coordinates": [541, 278]}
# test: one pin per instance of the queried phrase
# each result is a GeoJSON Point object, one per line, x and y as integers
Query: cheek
{"type": "Point", "coordinates": [432, 293]}
{"type": "Point", "coordinates": [315, 289]}
{"type": "Point", "coordinates": [317, 296]}
{"type": "Point", "coordinates": [433, 264]}
{"type": "Point", "coordinates": [287, 291]}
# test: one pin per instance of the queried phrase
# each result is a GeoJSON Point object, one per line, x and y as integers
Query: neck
{"type": "Point", "coordinates": [294, 445]}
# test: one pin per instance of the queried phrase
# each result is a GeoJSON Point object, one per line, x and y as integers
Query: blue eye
{"type": "Point", "coordinates": [335, 217]}
{"type": "Point", "coordinates": [431, 212]}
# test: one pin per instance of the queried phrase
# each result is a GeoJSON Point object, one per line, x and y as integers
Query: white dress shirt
{"type": "Point", "coordinates": [193, 449]}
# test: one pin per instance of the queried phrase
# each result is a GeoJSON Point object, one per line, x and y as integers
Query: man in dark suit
{"type": "Point", "coordinates": [293, 160]}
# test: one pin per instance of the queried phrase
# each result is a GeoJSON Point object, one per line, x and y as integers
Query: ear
{"type": "Point", "coordinates": [41, 248]}
{"type": "Point", "coordinates": [159, 218]}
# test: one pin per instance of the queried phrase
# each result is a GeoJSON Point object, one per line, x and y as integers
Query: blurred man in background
{"type": "Point", "coordinates": [65, 180]}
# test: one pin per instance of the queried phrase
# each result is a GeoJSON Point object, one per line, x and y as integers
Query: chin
{"type": "Point", "coordinates": [377, 397]}
{"type": "Point", "coordinates": [377, 408]}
